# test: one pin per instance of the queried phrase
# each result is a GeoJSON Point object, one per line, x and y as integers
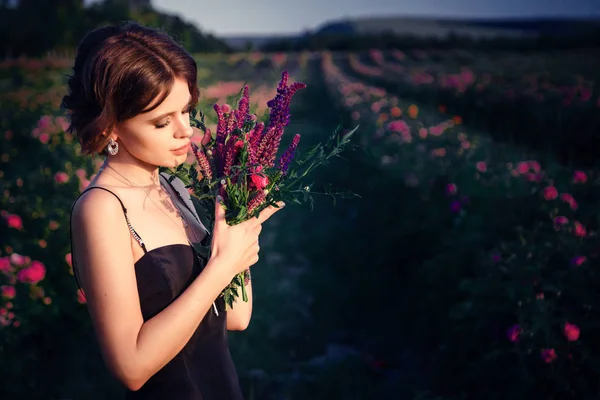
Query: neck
{"type": "Point", "coordinates": [139, 173]}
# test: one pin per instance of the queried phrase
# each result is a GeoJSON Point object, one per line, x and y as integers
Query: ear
{"type": "Point", "coordinates": [113, 134]}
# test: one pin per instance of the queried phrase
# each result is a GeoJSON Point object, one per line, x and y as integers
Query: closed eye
{"type": "Point", "coordinates": [160, 126]}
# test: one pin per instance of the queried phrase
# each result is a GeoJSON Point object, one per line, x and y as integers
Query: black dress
{"type": "Point", "coordinates": [203, 369]}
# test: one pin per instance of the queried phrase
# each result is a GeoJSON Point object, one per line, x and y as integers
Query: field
{"type": "Point", "coordinates": [466, 270]}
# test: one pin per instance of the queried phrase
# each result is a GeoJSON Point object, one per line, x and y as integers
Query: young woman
{"type": "Point", "coordinates": [154, 302]}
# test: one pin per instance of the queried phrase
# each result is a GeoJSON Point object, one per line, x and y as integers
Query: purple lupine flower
{"type": "Point", "coordinates": [269, 145]}
{"type": "Point", "coordinates": [254, 142]}
{"type": "Point", "coordinates": [242, 113]}
{"type": "Point", "coordinates": [264, 145]}
{"type": "Point", "coordinates": [256, 200]}
{"type": "Point", "coordinates": [279, 118]}
{"type": "Point", "coordinates": [220, 138]}
{"type": "Point", "coordinates": [202, 161]}
{"type": "Point", "coordinates": [288, 155]}
{"type": "Point", "coordinates": [230, 151]}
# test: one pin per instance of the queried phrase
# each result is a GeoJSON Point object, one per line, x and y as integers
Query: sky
{"type": "Point", "coordinates": [257, 17]}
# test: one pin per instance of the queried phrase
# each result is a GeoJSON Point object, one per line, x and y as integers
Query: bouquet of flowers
{"type": "Point", "coordinates": [239, 163]}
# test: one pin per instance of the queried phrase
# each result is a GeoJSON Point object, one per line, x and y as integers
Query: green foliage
{"type": "Point", "coordinates": [36, 28]}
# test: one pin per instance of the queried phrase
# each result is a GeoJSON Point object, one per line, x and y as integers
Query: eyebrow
{"type": "Point", "coordinates": [159, 117]}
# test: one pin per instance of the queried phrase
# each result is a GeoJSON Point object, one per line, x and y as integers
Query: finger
{"type": "Point", "coordinates": [219, 211]}
{"type": "Point", "coordinates": [269, 211]}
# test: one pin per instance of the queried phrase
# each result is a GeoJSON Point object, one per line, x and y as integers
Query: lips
{"type": "Point", "coordinates": [182, 149]}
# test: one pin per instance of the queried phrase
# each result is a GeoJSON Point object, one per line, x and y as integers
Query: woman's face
{"type": "Point", "coordinates": [160, 137]}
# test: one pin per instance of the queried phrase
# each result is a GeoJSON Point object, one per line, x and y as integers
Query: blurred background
{"type": "Point", "coordinates": [468, 269]}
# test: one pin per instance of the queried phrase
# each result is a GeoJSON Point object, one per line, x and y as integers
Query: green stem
{"type": "Point", "coordinates": [244, 293]}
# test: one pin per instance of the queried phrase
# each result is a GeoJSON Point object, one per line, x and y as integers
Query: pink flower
{"type": "Point", "coordinates": [61, 177]}
{"type": "Point", "coordinates": [548, 355]}
{"type": "Point", "coordinates": [259, 181]}
{"type": "Point", "coordinates": [83, 184]}
{"type": "Point", "coordinates": [523, 167]}
{"type": "Point", "coordinates": [32, 274]}
{"type": "Point", "coordinates": [53, 225]}
{"type": "Point", "coordinates": [535, 166]}
{"type": "Point", "coordinates": [81, 174]}
{"type": "Point", "coordinates": [8, 292]}
{"type": "Point", "coordinates": [560, 221]}
{"type": "Point", "coordinates": [18, 259]}
{"type": "Point", "coordinates": [579, 177]}
{"type": "Point", "coordinates": [69, 259]}
{"type": "Point", "coordinates": [4, 264]}
{"type": "Point", "coordinates": [81, 297]}
{"type": "Point", "coordinates": [451, 189]}
{"type": "Point", "coordinates": [580, 230]}
{"type": "Point", "coordinates": [571, 332]}
{"type": "Point", "coordinates": [226, 108]}
{"type": "Point", "coordinates": [513, 333]}
{"type": "Point", "coordinates": [14, 221]}
{"type": "Point", "coordinates": [550, 193]}
{"type": "Point", "coordinates": [567, 198]}
{"type": "Point", "coordinates": [481, 166]}
{"type": "Point", "coordinates": [399, 126]}
{"type": "Point", "coordinates": [578, 260]}
{"type": "Point", "coordinates": [44, 137]}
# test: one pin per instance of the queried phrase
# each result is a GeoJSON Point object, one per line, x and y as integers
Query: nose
{"type": "Point", "coordinates": [183, 127]}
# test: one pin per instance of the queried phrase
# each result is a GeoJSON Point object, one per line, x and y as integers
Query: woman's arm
{"type": "Point", "coordinates": [134, 350]}
{"type": "Point", "coordinates": [239, 317]}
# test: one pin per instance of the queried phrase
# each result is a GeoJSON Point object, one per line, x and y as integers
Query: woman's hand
{"type": "Point", "coordinates": [236, 246]}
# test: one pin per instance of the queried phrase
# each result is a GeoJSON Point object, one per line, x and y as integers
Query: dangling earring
{"type": "Point", "coordinates": [112, 147]}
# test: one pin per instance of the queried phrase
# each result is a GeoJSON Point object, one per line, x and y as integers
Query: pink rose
{"type": "Point", "coordinates": [548, 355]}
{"type": "Point", "coordinates": [14, 221]}
{"type": "Point", "coordinates": [8, 292]}
{"type": "Point", "coordinates": [44, 137]}
{"type": "Point", "coordinates": [550, 193]}
{"type": "Point", "coordinates": [580, 230]}
{"type": "Point", "coordinates": [523, 167]}
{"type": "Point", "coordinates": [32, 274]}
{"type": "Point", "coordinates": [18, 259]}
{"type": "Point", "coordinates": [560, 220]}
{"type": "Point", "coordinates": [571, 332]}
{"type": "Point", "coordinates": [567, 198]}
{"type": "Point", "coordinates": [481, 166]}
{"type": "Point", "coordinates": [61, 177]}
{"type": "Point", "coordinates": [4, 264]}
{"type": "Point", "coordinates": [578, 260]}
{"type": "Point", "coordinates": [579, 177]}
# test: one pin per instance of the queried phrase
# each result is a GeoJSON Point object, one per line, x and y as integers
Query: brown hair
{"type": "Point", "coordinates": [118, 71]}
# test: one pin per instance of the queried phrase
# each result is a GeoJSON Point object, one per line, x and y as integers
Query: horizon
{"type": "Point", "coordinates": [419, 17]}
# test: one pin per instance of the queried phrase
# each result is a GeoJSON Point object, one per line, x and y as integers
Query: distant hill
{"type": "Point", "coordinates": [431, 27]}
{"type": "Point", "coordinates": [477, 28]}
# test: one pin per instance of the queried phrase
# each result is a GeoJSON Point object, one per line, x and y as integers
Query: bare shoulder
{"type": "Point", "coordinates": [96, 205]}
